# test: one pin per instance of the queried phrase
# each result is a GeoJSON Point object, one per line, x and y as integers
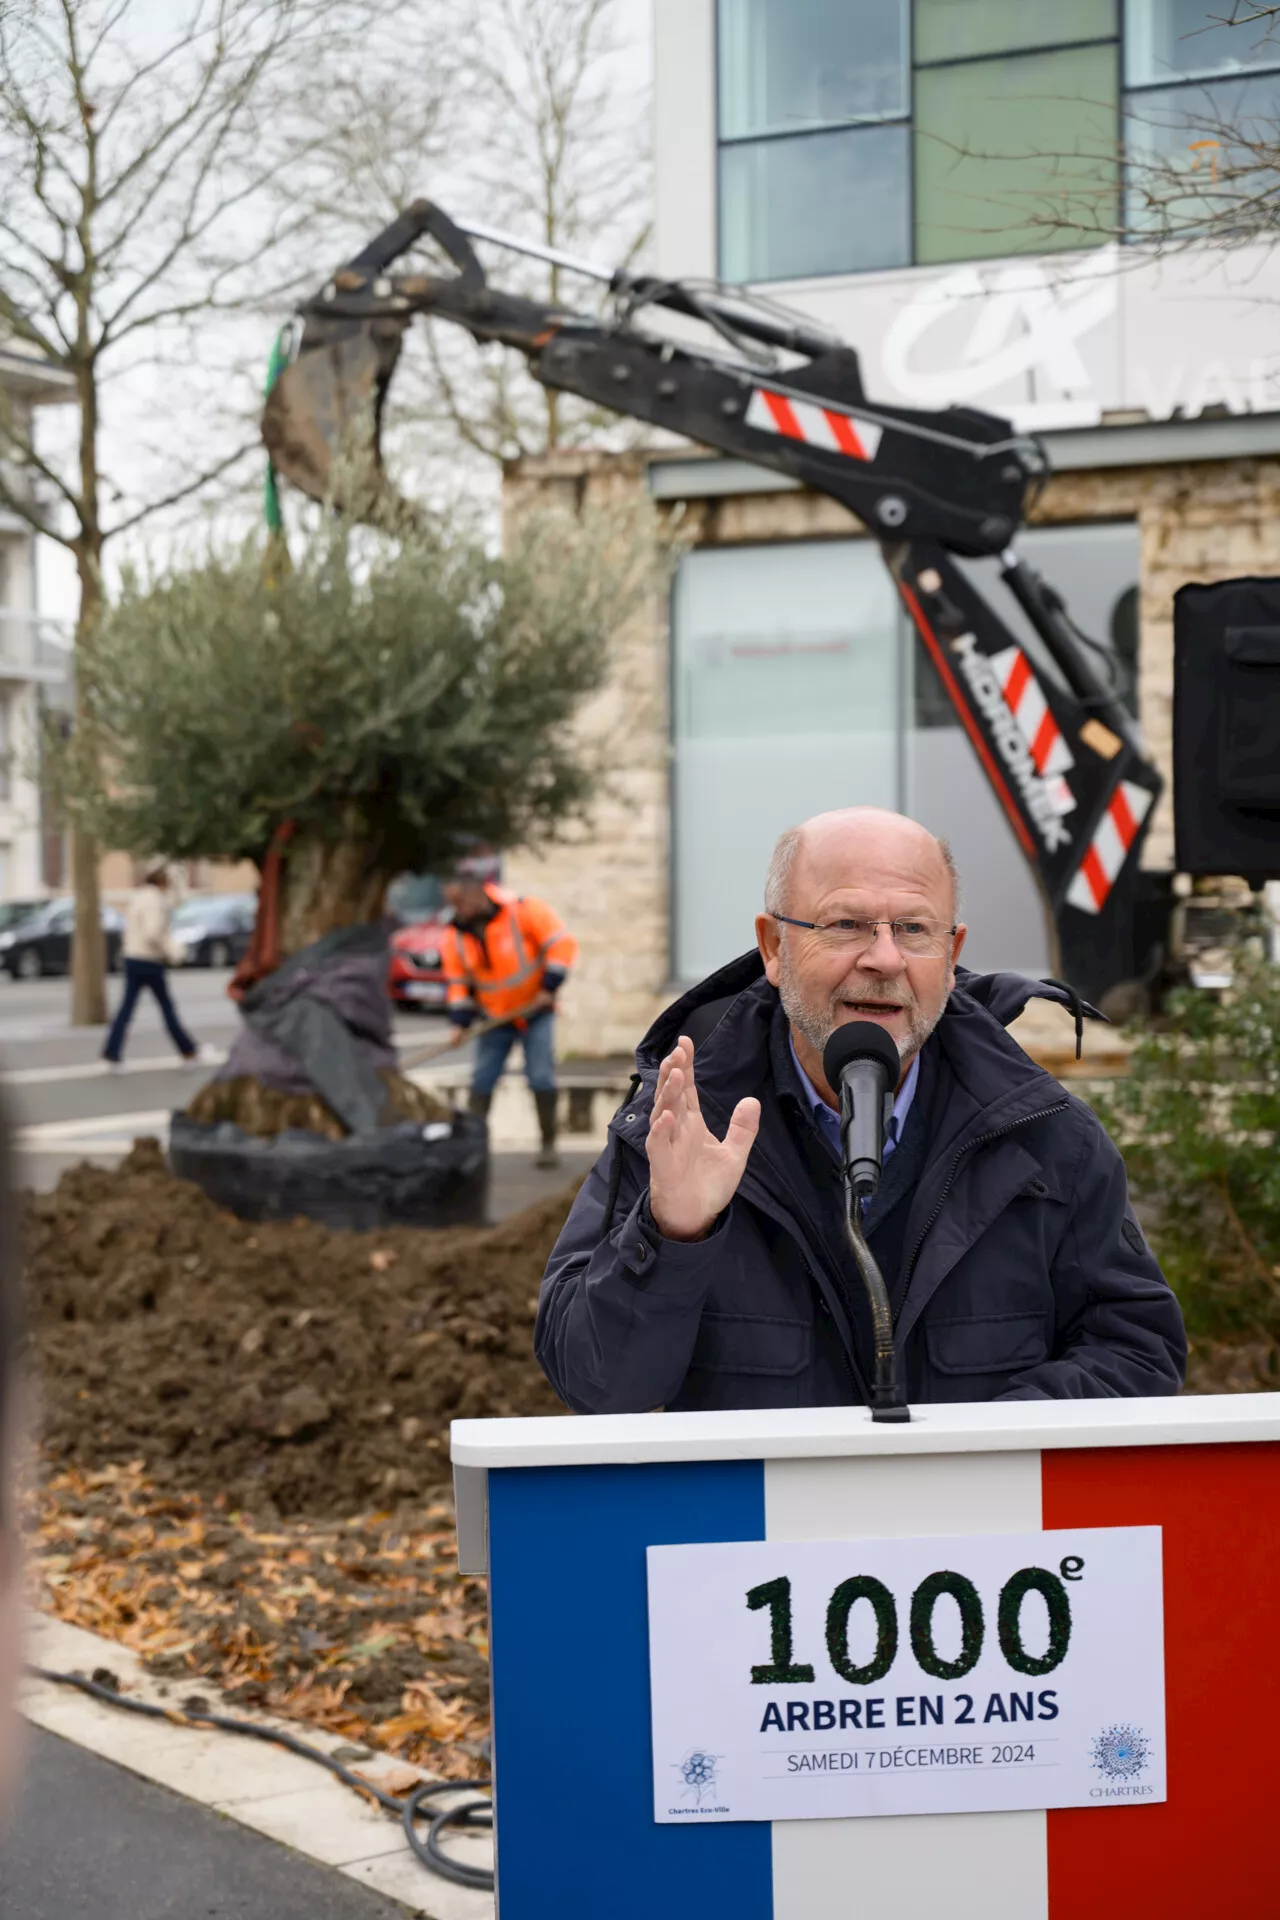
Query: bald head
{"type": "Point", "coordinates": [870, 842]}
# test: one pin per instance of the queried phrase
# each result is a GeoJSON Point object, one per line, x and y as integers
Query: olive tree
{"type": "Point", "coordinates": [387, 702]}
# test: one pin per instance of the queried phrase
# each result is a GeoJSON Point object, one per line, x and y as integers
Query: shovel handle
{"type": "Point", "coordinates": [420, 1056]}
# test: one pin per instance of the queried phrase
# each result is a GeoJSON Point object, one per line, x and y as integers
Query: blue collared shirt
{"type": "Point", "coordinates": [829, 1121]}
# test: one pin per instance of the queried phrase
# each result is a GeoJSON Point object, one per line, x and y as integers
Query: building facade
{"type": "Point", "coordinates": [942, 182]}
{"type": "Point", "coordinates": [35, 653]}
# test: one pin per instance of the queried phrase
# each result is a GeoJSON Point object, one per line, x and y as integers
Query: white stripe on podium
{"type": "Point", "coordinates": [986, 1866]}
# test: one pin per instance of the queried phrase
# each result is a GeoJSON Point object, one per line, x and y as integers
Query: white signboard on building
{"type": "Point", "coordinates": [820, 1679]}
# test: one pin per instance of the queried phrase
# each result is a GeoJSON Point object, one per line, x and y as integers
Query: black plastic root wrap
{"type": "Point", "coordinates": [398, 1176]}
{"type": "Point", "coordinates": [321, 1022]}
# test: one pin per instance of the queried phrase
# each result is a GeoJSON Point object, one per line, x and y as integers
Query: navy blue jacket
{"type": "Point", "coordinates": [1019, 1270]}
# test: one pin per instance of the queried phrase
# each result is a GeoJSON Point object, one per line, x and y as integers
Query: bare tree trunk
{"type": "Point", "coordinates": [88, 985]}
{"type": "Point", "coordinates": [88, 956]}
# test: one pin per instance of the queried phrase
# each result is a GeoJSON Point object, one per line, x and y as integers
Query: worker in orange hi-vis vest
{"type": "Point", "coordinates": [506, 956]}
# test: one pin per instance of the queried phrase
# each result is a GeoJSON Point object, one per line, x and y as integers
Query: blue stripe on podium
{"type": "Point", "coordinates": [577, 1839]}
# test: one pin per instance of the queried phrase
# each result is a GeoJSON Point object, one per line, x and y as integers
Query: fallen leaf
{"type": "Point", "coordinates": [395, 1780]}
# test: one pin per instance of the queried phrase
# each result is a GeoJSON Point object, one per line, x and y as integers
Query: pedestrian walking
{"type": "Point", "coordinates": [148, 948]}
{"type": "Point", "coordinates": [505, 957]}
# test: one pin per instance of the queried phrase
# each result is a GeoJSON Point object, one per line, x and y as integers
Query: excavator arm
{"type": "Point", "coordinates": [1055, 741]}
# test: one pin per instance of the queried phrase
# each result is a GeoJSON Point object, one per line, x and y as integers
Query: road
{"type": "Point", "coordinates": [92, 1842]}
{"type": "Point", "coordinates": [67, 1106]}
{"type": "Point", "coordinates": [62, 1099]}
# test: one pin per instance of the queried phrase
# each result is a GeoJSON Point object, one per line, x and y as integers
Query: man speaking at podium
{"type": "Point", "coordinates": [705, 1262]}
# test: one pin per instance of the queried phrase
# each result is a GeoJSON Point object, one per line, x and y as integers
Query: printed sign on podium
{"type": "Point", "coordinates": [752, 1643]}
{"type": "Point", "coordinates": [822, 1679]}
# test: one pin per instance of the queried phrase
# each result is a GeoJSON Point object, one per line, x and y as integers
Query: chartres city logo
{"type": "Point", "coordinates": [1121, 1753]}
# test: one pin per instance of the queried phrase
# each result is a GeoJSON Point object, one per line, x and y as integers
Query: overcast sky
{"type": "Point", "coordinates": [57, 589]}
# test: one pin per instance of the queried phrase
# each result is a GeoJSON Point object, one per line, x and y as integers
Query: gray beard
{"type": "Point", "coordinates": [817, 1026]}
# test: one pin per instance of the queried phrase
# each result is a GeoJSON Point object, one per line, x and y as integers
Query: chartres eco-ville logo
{"type": "Point", "coordinates": [698, 1772]}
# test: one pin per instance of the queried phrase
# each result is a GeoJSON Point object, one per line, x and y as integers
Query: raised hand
{"type": "Point", "coordinates": [692, 1175]}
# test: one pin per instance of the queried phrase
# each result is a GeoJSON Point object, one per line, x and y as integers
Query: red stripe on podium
{"type": "Point", "coordinates": [1210, 1849]}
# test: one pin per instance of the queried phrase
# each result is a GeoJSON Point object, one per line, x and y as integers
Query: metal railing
{"type": "Point", "coordinates": [35, 646]}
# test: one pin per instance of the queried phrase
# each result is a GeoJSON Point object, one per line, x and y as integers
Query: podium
{"type": "Point", "coordinates": [561, 1512]}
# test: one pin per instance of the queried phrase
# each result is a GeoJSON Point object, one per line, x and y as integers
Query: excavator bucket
{"type": "Point", "coordinates": [323, 415]}
{"type": "Point", "coordinates": [324, 412]}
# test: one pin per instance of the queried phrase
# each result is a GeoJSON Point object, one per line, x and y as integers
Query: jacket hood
{"type": "Point", "coordinates": [1002, 995]}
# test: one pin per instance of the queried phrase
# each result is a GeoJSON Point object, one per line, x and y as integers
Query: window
{"type": "Point", "coordinates": [1191, 83]}
{"type": "Point", "coordinates": [1167, 40]}
{"type": "Point", "coordinates": [1016, 154]}
{"type": "Point", "coordinates": [842, 149]}
{"type": "Point", "coordinates": [788, 65]}
{"type": "Point", "coordinates": [970, 29]}
{"type": "Point", "coordinates": [814, 160]}
{"type": "Point", "coordinates": [864, 134]}
{"type": "Point", "coordinates": [787, 664]}
{"type": "Point", "coordinates": [829, 203]}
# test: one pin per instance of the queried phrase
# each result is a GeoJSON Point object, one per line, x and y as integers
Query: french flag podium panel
{"type": "Point", "coordinates": [561, 1512]}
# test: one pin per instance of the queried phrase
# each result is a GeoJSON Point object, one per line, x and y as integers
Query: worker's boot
{"type": "Point", "coordinates": [479, 1105]}
{"type": "Point", "coordinates": [546, 1105]}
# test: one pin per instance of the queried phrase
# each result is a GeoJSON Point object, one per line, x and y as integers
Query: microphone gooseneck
{"type": "Point", "coordinates": [862, 1063]}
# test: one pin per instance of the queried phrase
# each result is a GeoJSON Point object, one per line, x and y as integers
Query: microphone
{"type": "Point", "coordinates": [862, 1064]}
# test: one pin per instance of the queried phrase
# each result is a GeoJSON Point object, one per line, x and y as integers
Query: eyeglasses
{"type": "Point", "coordinates": [923, 939]}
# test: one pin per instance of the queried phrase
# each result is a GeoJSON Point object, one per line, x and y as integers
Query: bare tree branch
{"type": "Point", "coordinates": [554, 149]}
{"type": "Point", "coordinates": [14, 439]}
{"type": "Point", "coordinates": [188, 490]}
{"type": "Point", "coordinates": [146, 155]}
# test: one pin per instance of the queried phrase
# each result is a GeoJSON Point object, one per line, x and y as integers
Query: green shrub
{"type": "Point", "coordinates": [1197, 1119]}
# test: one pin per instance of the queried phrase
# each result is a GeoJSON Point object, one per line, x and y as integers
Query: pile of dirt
{"type": "Point", "coordinates": [289, 1368]}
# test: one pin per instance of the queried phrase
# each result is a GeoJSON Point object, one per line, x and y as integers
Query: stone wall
{"type": "Point", "coordinates": [1202, 521]}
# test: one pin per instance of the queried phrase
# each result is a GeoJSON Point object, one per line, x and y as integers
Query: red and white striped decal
{"type": "Point", "coordinates": [1109, 849]}
{"type": "Point", "coordinates": [1026, 701]}
{"type": "Point", "coordinates": [817, 426]}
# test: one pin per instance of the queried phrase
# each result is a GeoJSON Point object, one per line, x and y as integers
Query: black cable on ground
{"type": "Point", "coordinates": [470, 1814]}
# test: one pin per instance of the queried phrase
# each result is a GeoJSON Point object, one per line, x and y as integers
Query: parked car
{"type": "Point", "coordinates": [41, 943]}
{"type": "Point", "coordinates": [12, 911]}
{"type": "Point", "coordinates": [214, 930]}
{"type": "Point", "coordinates": [416, 975]}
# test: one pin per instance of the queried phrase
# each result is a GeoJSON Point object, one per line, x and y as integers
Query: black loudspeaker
{"type": "Point", "coordinates": [1226, 729]}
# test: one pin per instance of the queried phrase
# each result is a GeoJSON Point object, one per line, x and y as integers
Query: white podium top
{"type": "Point", "coordinates": [628, 1439]}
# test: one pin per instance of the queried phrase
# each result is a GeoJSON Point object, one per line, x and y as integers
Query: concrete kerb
{"type": "Point", "coordinates": [275, 1792]}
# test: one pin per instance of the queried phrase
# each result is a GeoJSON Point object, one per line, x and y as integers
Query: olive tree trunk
{"type": "Point", "coordinates": [324, 886]}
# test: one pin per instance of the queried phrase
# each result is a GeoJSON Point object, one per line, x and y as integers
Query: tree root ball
{"type": "Point", "coordinates": [264, 1111]}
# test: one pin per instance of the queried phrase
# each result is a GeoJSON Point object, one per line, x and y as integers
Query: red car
{"type": "Point", "coordinates": [416, 900]}
{"type": "Point", "coordinates": [416, 977]}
